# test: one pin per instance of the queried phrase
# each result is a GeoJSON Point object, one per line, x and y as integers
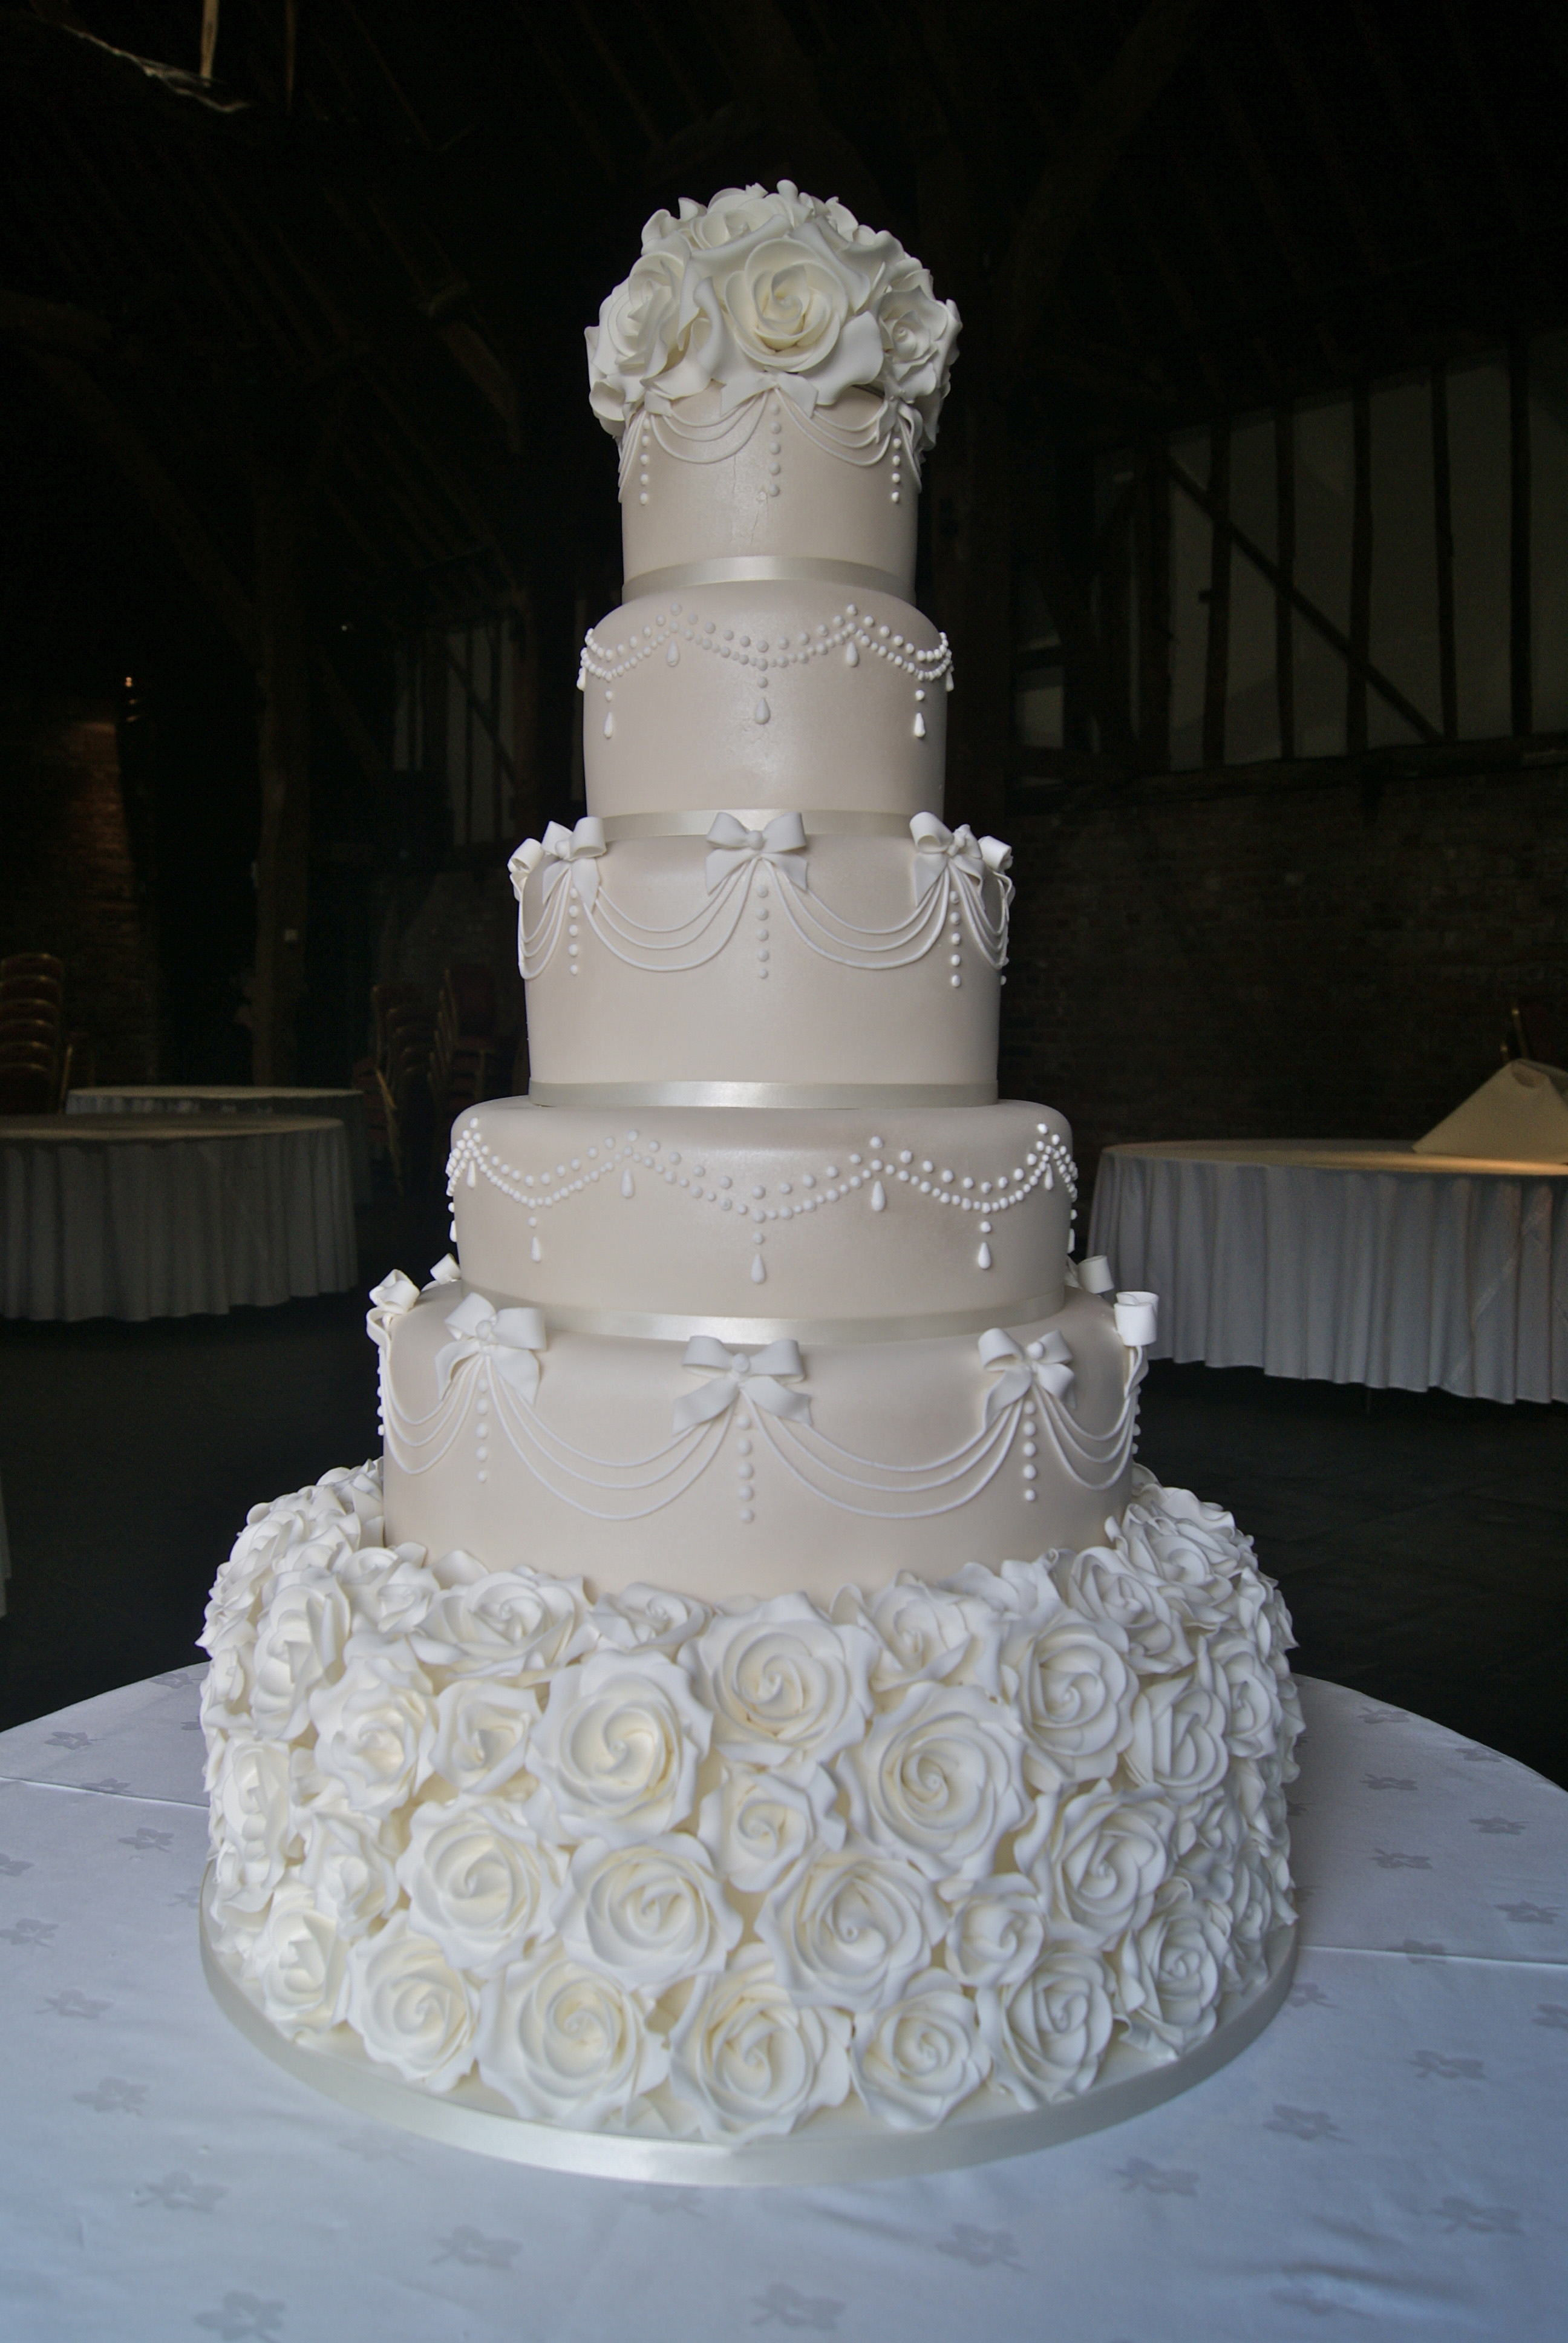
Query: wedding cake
{"type": "Point", "coordinates": [758, 1713]}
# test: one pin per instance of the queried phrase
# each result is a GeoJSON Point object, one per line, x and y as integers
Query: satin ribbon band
{"type": "Point", "coordinates": [754, 1334]}
{"type": "Point", "coordinates": [767, 570]}
{"type": "Point", "coordinates": [838, 2145]}
{"type": "Point", "coordinates": [854, 1097]}
{"type": "Point", "coordinates": [817, 822]}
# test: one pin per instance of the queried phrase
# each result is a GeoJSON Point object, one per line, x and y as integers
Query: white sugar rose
{"type": "Point", "coordinates": [565, 2044]}
{"type": "Point", "coordinates": [226, 1691]}
{"type": "Point", "coordinates": [937, 1779]}
{"type": "Point", "coordinates": [1178, 1738]}
{"type": "Point", "coordinates": [997, 1930]}
{"type": "Point", "coordinates": [638, 336]}
{"type": "Point", "coordinates": [1018, 1595]}
{"type": "Point", "coordinates": [349, 1863]}
{"type": "Point", "coordinates": [1254, 1714]}
{"type": "Point", "coordinates": [1167, 1971]}
{"type": "Point", "coordinates": [368, 1726]}
{"type": "Point", "coordinates": [913, 2063]}
{"type": "Point", "coordinates": [1097, 1856]}
{"type": "Point", "coordinates": [757, 1825]}
{"type": "Point", "coordinates": [750, 2061]}
{"type": "Point", "coordinates": [298, 1964]}
{"type": "Point", "coordinates": [248, 1822]}
{"type": "Point", "coordinates": [1048, 2033]}
{"type": "Point", "coordinates": [1254, 1909]}
{"type": "Point", "coordinates": [649, 1914]}
{"type": "Point", "coordinates": [733, 214]}
{"type": "Point", "coordinates": [299, 1645]}
{"type": "Point", "coordinates": [850, 1930]}
{"type": "Point", "coordinates": [411, 2008]}
{"type": "Point", "coordinates": [476, 1735]}
{"type": "Point", "coordinates": [648, 1619]}
{"type": "Point", "coordinates": [927, 1634]}
{"type": "Point", "coordinates": [509, 1624]}
{"type": "Point", "coordinates": [478, 1881]}
{"type": "Point", "coordinates": [1075, 1698]}
{"type": "Point", "coordinates": [390, 1592]}
{"type": "Point", "coordinates": [781, 1682]}
{"type": "Point", "coordinates": [1100, 1584]}
{"type": "Point", "coordinates": [619, 1747]}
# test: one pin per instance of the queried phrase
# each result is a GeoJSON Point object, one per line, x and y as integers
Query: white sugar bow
{"type": "Point", "coordinates": [959, 850]}
{"type": "Point", "coordinates": [506, 1340]}
{"type": "Point", "coordinates": [733, 844]}
{"type": "Point", "coordinates": [562, 850]}
{"type": "Point", "coordinates": [760, 1375]}
{"type": "Point", "coordinates": [1045, 1365]}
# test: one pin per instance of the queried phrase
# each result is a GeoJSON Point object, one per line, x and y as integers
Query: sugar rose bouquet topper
{"type": "Point", "coordinates": [759, 291]}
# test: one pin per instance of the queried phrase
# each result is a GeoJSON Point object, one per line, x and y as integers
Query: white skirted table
{"type": "Point", "coordinates": [1386, 2159]}
{"type": "Point", "coordinates": [1352, 1262]}
{"type": "Point", "coordinates": [347, 1107]}
{"type": "Point", "coordinates": [123, 1216]}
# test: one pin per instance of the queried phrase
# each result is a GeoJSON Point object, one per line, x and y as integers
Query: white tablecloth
{"type": "Point", "coordinates": [1387, 2160]}
{"type": "Point", "coordinates": [346, 1106]}
{"type": "Point", "coordinates": [1355, 1263]}
{"type": "Point", "coordinates": [111, 1216]}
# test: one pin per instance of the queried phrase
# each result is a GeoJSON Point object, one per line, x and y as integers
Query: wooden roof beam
{"type": "Point", "coordinates": [1330, 152]}
{"type": "Point", "coordinates": [766, 63]}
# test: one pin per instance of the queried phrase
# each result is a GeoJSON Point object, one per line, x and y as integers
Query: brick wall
{"type": "Point", "coordinates": [68, 881]}
{"type": "Point", "coordinates": [1307, 960]}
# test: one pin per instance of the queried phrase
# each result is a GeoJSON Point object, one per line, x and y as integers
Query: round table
{"type": "Point", "coordinates": [1353, 1263]}
{"type": "Point", "coordinates": [133, 1216]}
{"type": "Point", "coordinates": [1385, 2160]}
{"type": "Point", "coordinates": [346, 1106]}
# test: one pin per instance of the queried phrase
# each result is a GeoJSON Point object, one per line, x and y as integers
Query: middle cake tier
{"type": "Point", "coordinates": [866, 1224]}
{"type": "Point", "coordinates": [753, 957]}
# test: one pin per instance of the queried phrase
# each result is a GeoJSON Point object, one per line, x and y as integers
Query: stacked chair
{"type": "Point", "coordinates": [34, 1052]}
{"type": "Point", "coordinates": [401, 1074]}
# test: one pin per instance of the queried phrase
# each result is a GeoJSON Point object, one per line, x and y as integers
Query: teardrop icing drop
{"type": "Point", "coordinates": [761, 712]}
{"type": "Point", "coordinates": [609, 726]}
{"type": "Point", "coordinates": [878, 1197]}
{"type": "Point", "coordinates": [628, 1186]}
{"type": "Point", "coordinates": [851, 655]}
{"type": "Point", "coordinates": [983, 1256]}
{"type": "Point", "coordinates": [672, 656]}
{"type": "Point", "coordinates": [920, 726]}
{"type": "Point", "coordinates": [759, 1274]}
{"type": "Point", "coordinates": [536, 1250]}
{"type": "Point", "coordinates": [949, 685]}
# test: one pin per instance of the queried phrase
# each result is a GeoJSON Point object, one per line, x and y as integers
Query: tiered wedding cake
{"type": "Point", "coordinates": [758, 1694]}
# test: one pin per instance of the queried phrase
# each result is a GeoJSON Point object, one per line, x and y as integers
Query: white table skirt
{"type": "Point", "coordinates": [111, 1217]}
{"type": "Point", "coordinates": [1357, 1264]}
{"type": "Point", "coordinates": [346, 1106]}
{"type": "Point", "coordinates": [1386, 2160]}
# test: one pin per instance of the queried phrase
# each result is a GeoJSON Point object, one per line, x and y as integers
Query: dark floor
{"type": "Point", "coordinates": [1421, 1541]}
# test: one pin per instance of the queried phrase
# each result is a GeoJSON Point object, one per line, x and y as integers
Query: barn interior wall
{"type": "Point", "coordinates": [1322, 962]}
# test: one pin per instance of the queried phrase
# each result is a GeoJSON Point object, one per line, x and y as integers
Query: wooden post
{"type": "Point", "coordinates": [283, 850]}
{"type": "Point", "coordinates": [1285, 555]}
{"type": "Point", "coordinates": [1443, 518]}
{"type": "Point", "coordinates": [1521, 691]}
{"type": "Point", "coordinates": [1217, 667]}
{"type": "Point", "coordinates": [1360, 569]}
{"type": "Point", "coordinates": [1153, 521]}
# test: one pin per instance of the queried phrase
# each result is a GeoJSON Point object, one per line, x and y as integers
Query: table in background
{"type": "Point", "coordinates": [133, 1216]}
{"type": "Point", "coordinates": [237, 1098]}
{"type": "Point", "coordinates": [1386, 2159]}
{"type": "Point", "coordinates": [1356, 1264]}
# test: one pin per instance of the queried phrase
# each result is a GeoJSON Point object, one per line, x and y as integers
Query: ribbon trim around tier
{"type": "Point", "coordinates": [854, 1097]}
{"type": "Point", "coordinates": [750, 1333]}
{"type": "Point", "coordinates": [817, 822]}
{"type": "Point", "coordinates": [766, 568]}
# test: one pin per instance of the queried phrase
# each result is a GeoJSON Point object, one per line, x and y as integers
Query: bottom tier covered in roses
{"type": "Point", "coordinates": [668, 1871]}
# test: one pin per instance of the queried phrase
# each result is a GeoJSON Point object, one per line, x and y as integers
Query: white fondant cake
{"type": "Point", "coordinates": [758, 1695]}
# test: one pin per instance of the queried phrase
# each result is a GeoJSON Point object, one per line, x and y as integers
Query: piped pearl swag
{"type": "Point", "coordinates": [761, 1376]}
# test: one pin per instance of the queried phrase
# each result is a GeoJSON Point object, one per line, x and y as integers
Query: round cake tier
{"type": "Point", "coordinates": [769, 484]}
{"type": "Point", "coordinates": [861, 961]}
{"type": "Point", "coordinates": [698, 1220]}
{"type": "Point", "coordinates": [755, 1463]}
{"type": "Point", "coordinates": [795, 693]}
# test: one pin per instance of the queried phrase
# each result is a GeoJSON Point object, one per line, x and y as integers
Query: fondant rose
{"type": "Point", "coordinates": [368, 1726]}
{"type": "Point", "coordinates": [928, 1634]}
{"type": "Point", "coordinates": [509, 1624]}
{"type": "Point", "coordinates": [638, 336]}
{"type": "Point", "coordinates": [411, 2008]}
{"type": "Point", "coordinates": [296, 1963]}
{"type": "Point", "coordinates": [299, 1644]}
{"type": "Point", "coordinates": [225, 1690]}
{"type": "Point", "coordinates": [757, 1825]}
{"type": "Point", "coordinates": [478, 1881]}
{"type": "Point", "coordinates": [1251, 1695]}
{"type": "Point", "coordinates": [1100, 1584]}
{"type": "Point", "coordinates": [1177, 1741]}
{"type": "Point", "coordinates": [1075, 1697]}
{"type": "Point", "coordinates": [349, 1863]}
{"type": "Point", "coordinates": [997, 1930]}
{"type": "Point", "coordinates": [937, 1779]}
{"type": "Point", "coordinates": [748, 2060]}
{"type": "Point", "coordinates": [647, 1619]}
{"type": "Point", "coordinates": [248, 1822]}
{"type": "Point", "coordinates": [390, 1592]}
{"type": "Point", "coordinates": [916, 2061]}
{"type": "Point", "coordinates": [619, 1747]}
{"type": "Point", "coordinates": [649, 1914]}
{"type": "Point", "coordinates": [1048, 2033]}
{"type": "Point", "coordinates": [781, 1682]}
{"type": "Point", "coordinates": [1097, 1855]}
{"type": "Point", "coordinates": [1167, 1971]}
{"type": "Point", "coordinates": [476, 1735]}
{"type": "Point", "coordinates": [850, 1930]}
{"type": "Point", "coordinates": [1255, 1908]}
{"type": "Point", "coordinates": [566, 2043]}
